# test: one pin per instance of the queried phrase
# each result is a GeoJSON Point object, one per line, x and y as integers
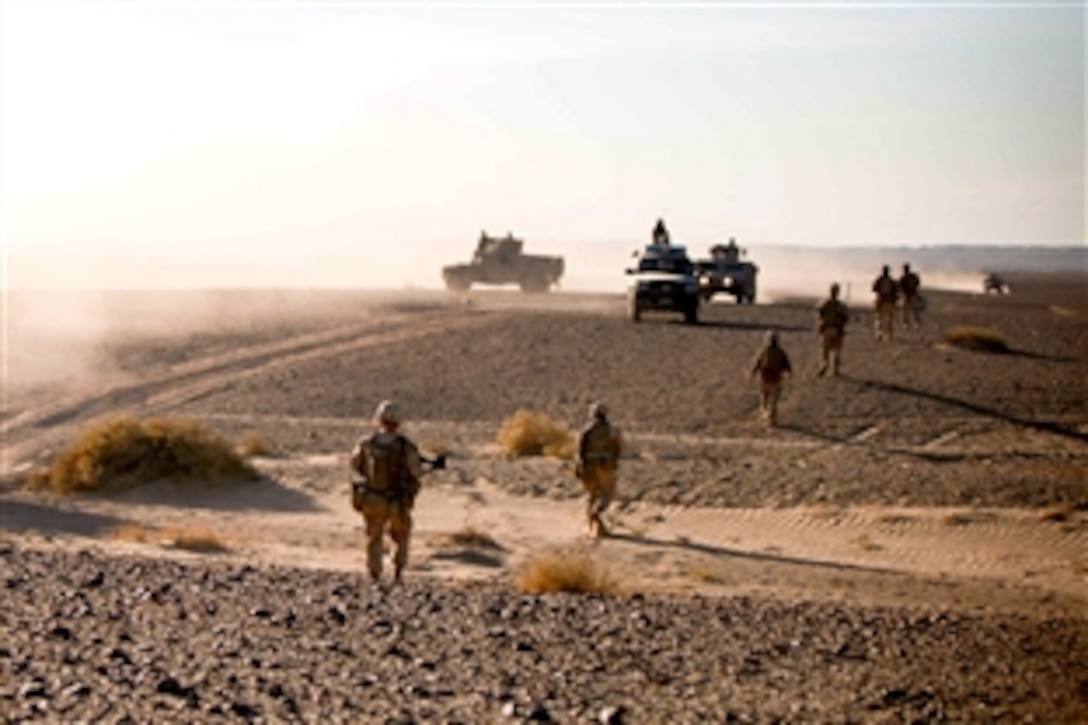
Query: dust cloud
{"type": "Point", "coordinates": [56, 341]}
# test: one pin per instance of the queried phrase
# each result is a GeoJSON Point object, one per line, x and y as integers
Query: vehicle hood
{"type": "Point", "coordinates": [662, 277]}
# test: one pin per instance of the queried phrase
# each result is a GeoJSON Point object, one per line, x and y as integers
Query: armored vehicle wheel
{"type": "Point", "coordinates": [691, 313]}
{"type": "Point", "coordinates": [534, 285]}
{"type": "Point", "coordinates": [456, 284]}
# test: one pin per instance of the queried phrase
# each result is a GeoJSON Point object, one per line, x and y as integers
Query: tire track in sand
{"type": "Point", "coordinates": [33, 430]}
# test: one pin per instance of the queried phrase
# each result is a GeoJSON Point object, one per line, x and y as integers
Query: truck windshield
{"type": "Point", "coordinates": [675, 265]}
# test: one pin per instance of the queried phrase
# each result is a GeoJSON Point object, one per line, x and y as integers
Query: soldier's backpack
{"type": "Point", "coordinates": [886, 289]}
{"type": "Point", "coordinates": [388, 472]}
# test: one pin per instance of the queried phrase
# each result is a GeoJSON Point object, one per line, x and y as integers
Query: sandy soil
{"type": "Point", "coordinates": [927, 476]}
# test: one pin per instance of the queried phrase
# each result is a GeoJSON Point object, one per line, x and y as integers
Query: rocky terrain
{"type": "Point", "coordinates": [909, 545]}
{"type": "Point", "coordinates": [122, 639]}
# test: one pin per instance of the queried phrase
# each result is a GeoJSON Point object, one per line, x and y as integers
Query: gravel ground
{"type": "Point", "coordinates": [121, 639]}
{"type": "Point", "coordinates": [87, 637]}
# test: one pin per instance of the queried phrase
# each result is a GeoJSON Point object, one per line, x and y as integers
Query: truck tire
{"type": "Point", "coordinates": [634, 311]}
{"type": "Point", "coordinates": [457, 284]}
{"type": "Point", "coordinates": [691, 312]}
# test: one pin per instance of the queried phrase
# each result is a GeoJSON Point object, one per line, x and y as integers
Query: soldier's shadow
{"type": "Point", "coordinates": [683, 543]}
{"type": "Point", "coordinates": [1041, 425]}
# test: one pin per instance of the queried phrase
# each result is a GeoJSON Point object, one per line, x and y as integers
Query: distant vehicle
{"type": "Point", "coordinates": [994, 283]}
{"type": "Point", "coordinates": [663, 279]}
{"type": "Point", "coordinates": [500, 260]}
{"type": "Point", "coordinates": [726, 272]}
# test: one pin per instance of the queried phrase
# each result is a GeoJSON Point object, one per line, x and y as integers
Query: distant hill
{"type": "Point", "coordinates": [960, 258]}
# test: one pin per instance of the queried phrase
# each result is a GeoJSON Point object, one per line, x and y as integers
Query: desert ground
{"type": "Point", "coordinates": [910, 543]}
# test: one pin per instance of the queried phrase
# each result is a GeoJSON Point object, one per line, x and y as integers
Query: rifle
{"type": "Point", "coordinates": [438, 463]}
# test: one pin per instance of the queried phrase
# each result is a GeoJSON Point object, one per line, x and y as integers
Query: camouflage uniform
{"type": "Point", "coordinates": [391, 469]}
{"type": "Point", "coordinates": [833, 316]}
{"type": "Point", "coordinates": [599, 447]}
{"type": "Point", "coordinates": [909, 285]}
{"type": "Point", "coordinates": [771, 365]}
{"type": "Point", "coordinates": [887, 294]}
{"type": "Point", "coordinates": [660, 234]}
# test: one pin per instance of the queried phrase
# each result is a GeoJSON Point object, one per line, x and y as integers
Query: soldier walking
{"type": "Point", "coordinates": [771, 366]}
{"type": "Point", "coordinates": [909, 285]}
{"type": "Point", "coordinates": [599, 447]}
{"type": "Point", "coordinates": [887, 294]}
{"type": "Point", "coordinates": [390, 468]}
{"type": "Point", "coordinates": [833, 316]}
{"type": "Point", "coordinates": [660, 234]}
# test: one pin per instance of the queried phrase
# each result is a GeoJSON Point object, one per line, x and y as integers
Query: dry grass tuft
{"type": "Point", "coordinates": [967, 517]}
{"type": "Point", "coordinates": [202, 541]}
{"type": "Point", "coordinates": [984, 339]}
{"type": "Point", "coordinates": [560, 571]}
{"type": "Point", "coordinates": [135, 534]}
{"type": "Point", "coordinates": [473, 537]}
{"type": "Point", "coordinates": [196, 539]}
{"type": "Point", "coordinates": [121, 451]}
{"type": "Point", "coordinates": [467, 538]}
{"type": "Point", "coordinates": [531, 433]}
{"type": "Point", "coordinates": [256, 444]}
{"type": "Point", "coordinates": [865, 543]}
{"type": "Point", "coordinates": [957, 519]}
{"type": "Point", "coordinates": [1058, 512]}
{"type": "Point", "coordinates": [705, 575]}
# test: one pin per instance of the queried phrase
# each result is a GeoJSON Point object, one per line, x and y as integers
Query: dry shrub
{"type": "Point", "coordinates": [531, 433]}
{"type": "Point", "coordinates": [984, 339]}
{"type": "Point", "coordinates": [135, 534]}
{"type": "Point", "coordinates": [865, 543]}
{"type": "Point", "coordinates": [195, 539]}
{"type": "Point", "coordinates": [1057, 512]}
{"type": "Point", "coordinates": [560, 571]}
{"type": "Point", "coordinates": [967, 517]}
{"type": "Point", "coordinates": [256, 444]}
{"type": "Point", "coordinates": [199, 540]}
{"type": "Point", "coordinates": [474, 538]}
{"type": "Point", "coordinates": [705, 575]}
{"type": "Point", "coordinates": [121, 451]}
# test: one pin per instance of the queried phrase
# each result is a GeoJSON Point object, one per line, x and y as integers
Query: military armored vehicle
{"type": "Point", "coordinates": [726, 272]}
{"type": "Point", "coordinates": [500, 260]}
{"type": "Point", "coordinates": [663, 279]}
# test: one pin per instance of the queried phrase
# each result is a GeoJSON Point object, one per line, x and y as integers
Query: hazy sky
{"type": "Point", "coordinates": [347, 143]}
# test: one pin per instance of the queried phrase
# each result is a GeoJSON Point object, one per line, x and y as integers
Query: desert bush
{"type": "Point", "coordinates": [472, 537]}
{"type": "Point", "coordinates": [1058, 512]}
{"type": "Point", "coordinates": [985, 339]}
{"type": "Point", "coordinates": [560, 571]}
{"type": "Point", "coordinates": [532, 433]}
{"type": "Point", "coordinates": [121, 451]}
{"type": "Point", "coordinates": [134, 534]}
{"type": "Point", "coordinates": [195, 539]}
{"type": "Point", "coordinates": [256, 444]}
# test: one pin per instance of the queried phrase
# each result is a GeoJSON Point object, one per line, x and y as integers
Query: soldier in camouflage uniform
{"type": "Point", "coordinates": [599, 447]}
{"type": "Point", "coordinates": [910, 284]}
{"type": "Point", "coordinates": [771, 367]}
{"type": "Point", "coordinates": [660, 234]}
{"type": "Point", "coordinates": [887, 294]}
{"type": "Point", "coordinates": [390, 468]}
{"type": "Point", "coordinates": [833, 316]}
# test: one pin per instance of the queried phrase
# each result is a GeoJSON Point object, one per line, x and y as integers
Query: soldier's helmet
{"type": "Point", "coordinates": [835, 289]}
{"type": "Point", "coordinates": [598, 411]}
{"type": "Point", "coordinates": [770, 337]}
{"type": "Point", "coordinates": [886, 270]}
{"type": "Point", "coordinates": [387, 412]}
